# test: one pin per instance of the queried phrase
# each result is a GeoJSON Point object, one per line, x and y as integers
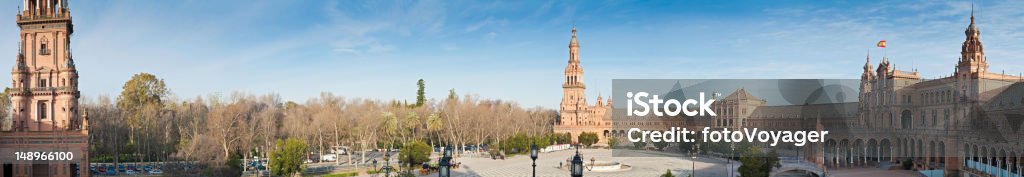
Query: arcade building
{"type": "Point", "coordinates": [967, 124]}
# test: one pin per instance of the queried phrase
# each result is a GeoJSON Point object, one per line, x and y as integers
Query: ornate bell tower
{"type": "Point", "coordinates": [44, 78]}
{"type": "Point", "coordinates": [972, 53]}
{"type": "Point", "coordinates": [44, 96]}
{"type": "Point", "coordinates": [574, 103]}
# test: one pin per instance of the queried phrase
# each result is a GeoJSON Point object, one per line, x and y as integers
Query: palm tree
{"type": "Point", "coordinates": [433, 126]}
{"type": "Point", "coordinates": [390, 127]}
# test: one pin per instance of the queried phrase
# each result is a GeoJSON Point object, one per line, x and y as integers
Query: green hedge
{"type": "Point", "coordinates": [520, 143]}
{"type": "Point", "coordinates": [346, 174]}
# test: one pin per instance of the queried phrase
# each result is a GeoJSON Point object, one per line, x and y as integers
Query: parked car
{"type": "Point", "coordinates": [329, 157]}
{"type": "Point", "coordinates": [111, 171]}
{"type": "Point", "coordinates": [156, 172]}
{"type": "Point", "coordinates": [256, 165]}
{"type": "Point", "coordinates": [130, 172]}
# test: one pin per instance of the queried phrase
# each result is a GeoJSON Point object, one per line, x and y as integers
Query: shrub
{"type": "Point", "coordinates": [520, 143]}
{"type": "Point", "coordinates": [612, 142]}
{"type": "Point", "coordinates": [415, 153]}
{"type": "Point", "coordinates": [406, 174]}
{"type": "Point", "coordinates": [661, 145]}
{"type": "Point", "coordinates": [287, 157]}
{"type": "Point", "coordinates": [757, 163]}
{"type": "Point", "coordinates": [587, 138]}
{"type": "Point", "coordinates": [908, 164]}
{"type": "Point", "coordinates": [638, 144]}
{"type": "Point", "coordinates": [668, 173]}
{"type": "Point", "coordinates": [347, 174]}
{"type": "Point", "coordinates": [234, 165]}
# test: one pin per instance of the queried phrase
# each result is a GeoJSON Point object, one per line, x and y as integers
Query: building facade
{"type": "Point", "coordinates": [965, 124]}
{"type": "Point", "coordinates": [968, 123]}
{"type": "Point", "coordinates": [734, 110]}
{"type": "Point", "coordinates": [44, 95]}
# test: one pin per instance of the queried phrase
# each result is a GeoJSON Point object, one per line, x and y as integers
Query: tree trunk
{"type": "Point", "coordinates": [227, 153]}
{"type": "Point", "coordinates": [320, 139]}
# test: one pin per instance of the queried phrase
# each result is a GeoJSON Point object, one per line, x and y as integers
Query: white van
{"type": "Point", "coordinates": [329, 158]}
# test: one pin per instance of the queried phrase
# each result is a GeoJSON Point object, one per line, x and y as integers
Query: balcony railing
{"type": "Point", "coordinates": [53, 15]}
{"type": "Point", "coordinates": [989, 169]}
{"type": "Point", "coordinates": [37, 89]}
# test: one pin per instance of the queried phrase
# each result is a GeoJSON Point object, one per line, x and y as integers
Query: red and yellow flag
{"type": "Point", "coordinates": [881, 44]}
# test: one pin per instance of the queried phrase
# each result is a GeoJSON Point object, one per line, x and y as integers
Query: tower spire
{"type": "Point", "coordinates": [972, 12]}
{"type": "Point", "coordinates": [573, 71]}
{"type": "Point", "coordinates": [972, 52]}
{"type": "Point", "coordinates": [573, 34]}
{"type": "Point", "coordinates": [574, 46]}
{"type": "Point", "coordinates": [867, 62]}
{"type": "Point", "coordinates": [574, 31]}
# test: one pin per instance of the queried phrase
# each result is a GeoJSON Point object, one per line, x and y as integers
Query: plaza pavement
{"type": "Point", "coordinates": [547, 165]}
{"type": "Point", "coordinates": [873, 172]}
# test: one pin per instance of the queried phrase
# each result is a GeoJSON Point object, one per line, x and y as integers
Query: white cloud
{"type": "Point", "coordinates": [490, 36]}
{"type": "Point", "coordinates": [486, 22]}
{"type": "Point", "coordinates": [367, 31]}
{"type": "Point", "coordinates": [360, 45]}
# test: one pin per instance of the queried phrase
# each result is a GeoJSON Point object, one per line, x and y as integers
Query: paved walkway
{"type": "Point", "coordinates": [655, 165]}
{"type": "Point", "coordinates": [874, 172]}
{"type": "Point", "coordinates": [547, 165]}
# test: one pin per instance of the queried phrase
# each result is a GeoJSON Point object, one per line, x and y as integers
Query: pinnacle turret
{"type": "Point", "coordinates": [972, 52]}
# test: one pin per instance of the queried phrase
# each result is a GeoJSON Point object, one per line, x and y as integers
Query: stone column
{"type": "Point", "coordinates": [1019, 172]}
{"type": "Point", "coordinates": [865, 155]}
{"type": "Point", "coordinates": [1003, 161]}
{"type": "Point", "coordinates": [835, 155]}
{"type": "Point", "coordinates": [966, 158]}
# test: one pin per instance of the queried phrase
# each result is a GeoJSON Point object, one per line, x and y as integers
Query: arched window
{"type": "Point", "coordinates": [42, 109]}
{"type": "Point", "coordinates": [43, 50]}
{"type": "Point", "coordinates": [923, 120]}
{"type": "Point", "coordinates": [906, 119]}
{"type": "Point", "coordinates": [946, 118]}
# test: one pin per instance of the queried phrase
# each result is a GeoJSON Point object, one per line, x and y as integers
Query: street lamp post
{"type": "Point", "coordinates": [387, 165]}
{"type": "Point", "coordinates": [693, 164]}
{"type": "Point", "coordinates": [533, 156]}
{"type": "Point", "coordinates": [374, 162]}
{"type": "Point", "coordinates": [576, 167]}
{"type": "Point", "coordinates": [445, 163]}
{"type": "Point", "coordinates": [732, 153]}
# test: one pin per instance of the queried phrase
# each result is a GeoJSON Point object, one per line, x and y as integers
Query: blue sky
{"type": "Point", "coordinates": [512, 50]}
